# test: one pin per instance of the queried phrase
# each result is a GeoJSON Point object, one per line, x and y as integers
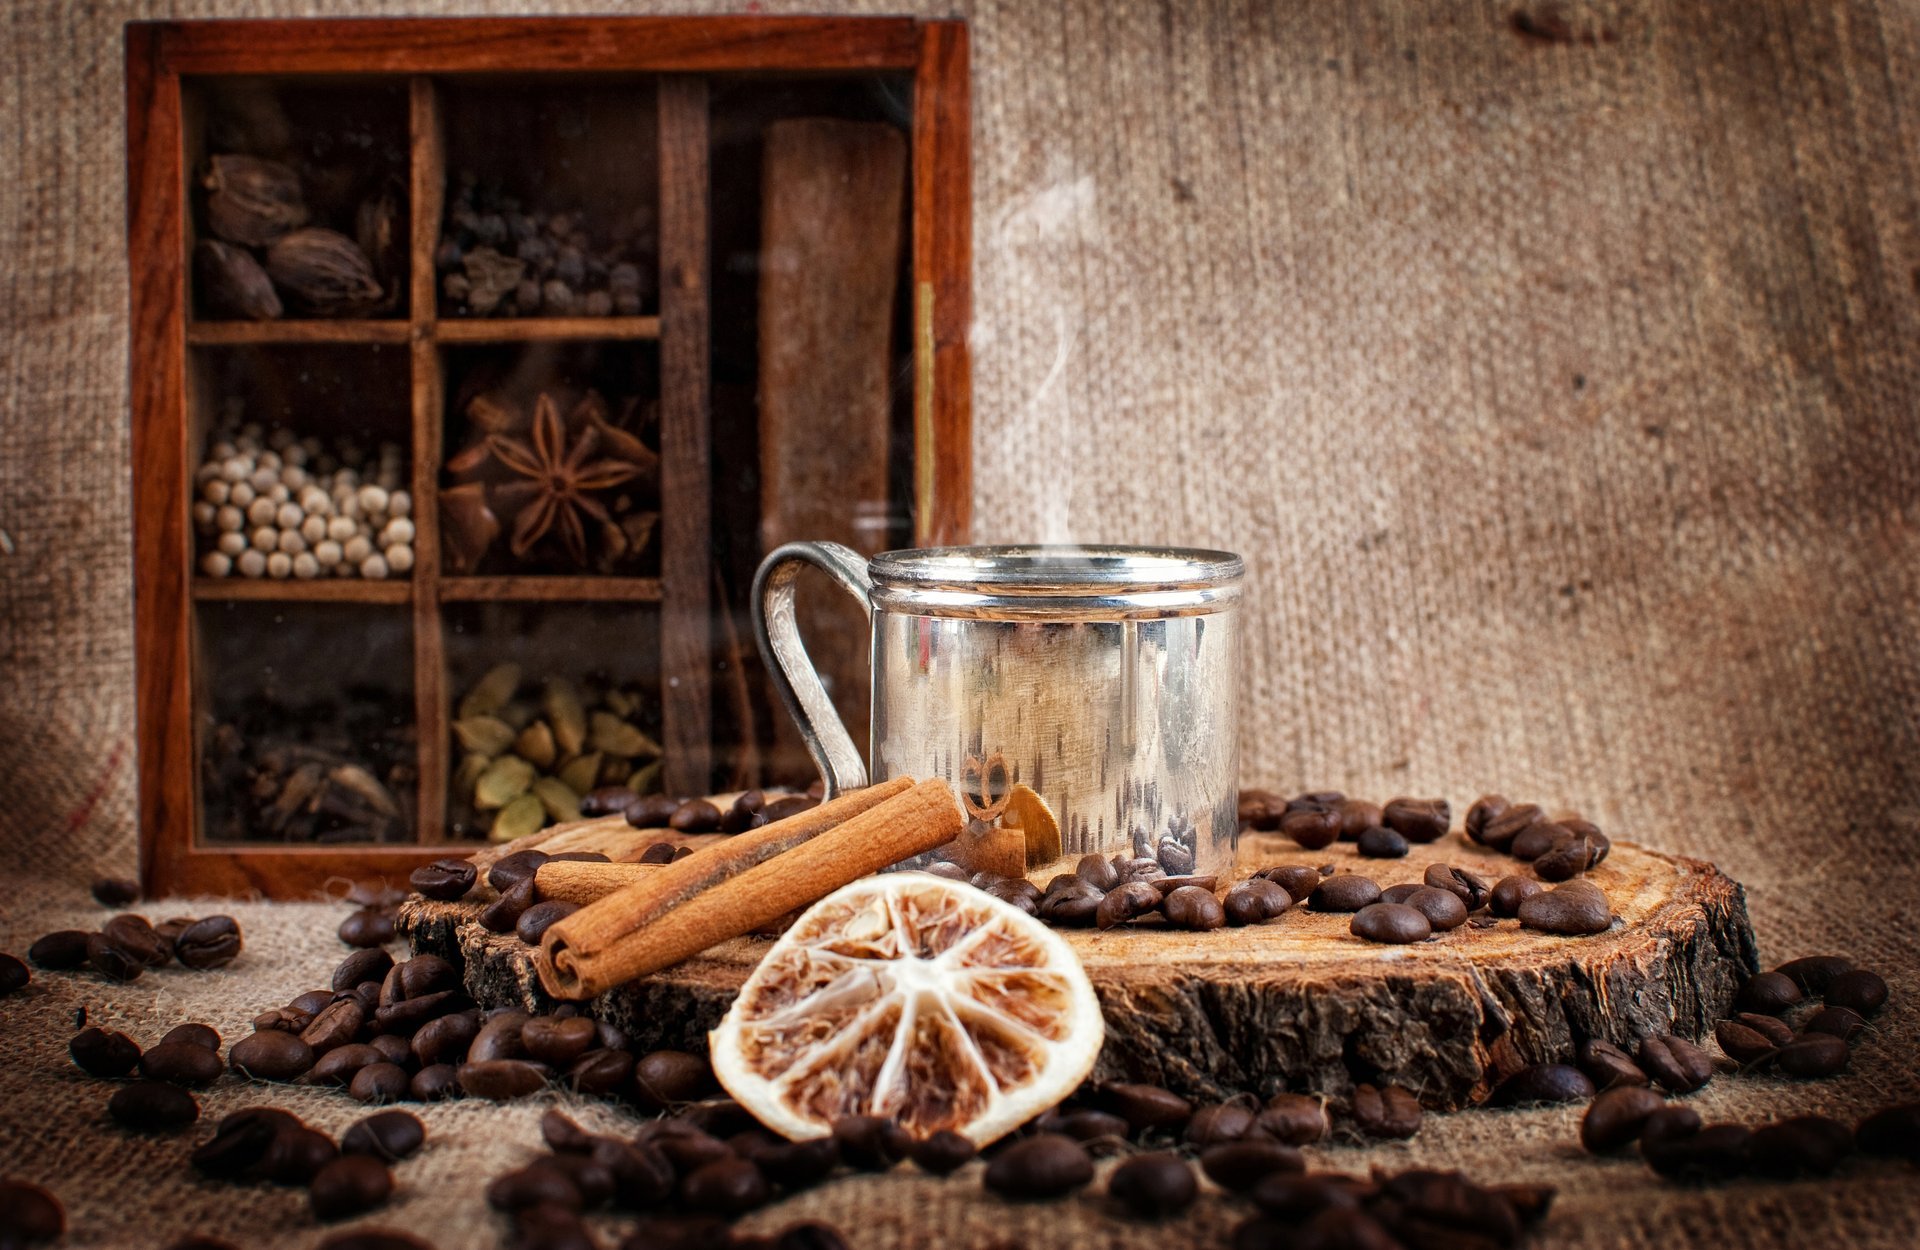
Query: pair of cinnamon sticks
{"type": "Point", "coordinates": [676, 910]}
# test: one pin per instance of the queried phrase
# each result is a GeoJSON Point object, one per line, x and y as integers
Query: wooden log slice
{"type": "Point", "coordinates": [1297, 1003]}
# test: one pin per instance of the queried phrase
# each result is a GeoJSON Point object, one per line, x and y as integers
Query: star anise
{"type": "Point", "coordinates": [557, 481]}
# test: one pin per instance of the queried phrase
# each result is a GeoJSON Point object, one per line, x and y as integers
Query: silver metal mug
{"type": "Point", "coordinates": [1104, 680]}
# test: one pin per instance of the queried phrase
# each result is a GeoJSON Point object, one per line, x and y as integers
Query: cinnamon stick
{"type": "Point", "coordinates": [687, 907]}
{"type": "Point", "coordinates": [572, 881]}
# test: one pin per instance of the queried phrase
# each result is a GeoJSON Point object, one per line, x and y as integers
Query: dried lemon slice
{"type": "Point", "coordinates": [910, 996]}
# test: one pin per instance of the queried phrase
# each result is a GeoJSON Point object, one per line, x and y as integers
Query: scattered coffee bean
{"type": "Point", "coordinates": [1097, 871]}
{"type": "Point", "coordinates": [1617, 1115]}
{"type": "Point", "coordinates": [1345, 892]}
{"type": "Point", "coordinates": [1768, 992]}
{"type": "Point", "coordinates": [1743, 1045]}
{"type": "Point", "coordinates": [369, 926]}
{"type": "Point", "coordinates": [539, 1183]}
{"type": "Point", "coordinates": [558, 1042]}
{"type": "Point", "coordinates": [237, 1146]}
{"type": "Point", "coordinates": [337, 1024]}
{"type": "Point", "coordinates": [1717, 1152]}
{"type": "Point", "coordinates": [510, 870]}
{"type": "Point", "coordinates": [270, 1055]}
{"type": "Point", "coordinates": [1311, 827]}
{"type": "Point", "coordinates": [212, 942]}
{"type": "Point", "coordinates": [1813, 973]}
{"type": "Point", "coordinates": [1542, 1082]}
{"type": "Point", "coordinates": [29, 1214]}
{"type": "Point", "coordinates": [659, 853]}
{"type": "Point", "coordinates": [153, 1107]}
{"type": "Point", "coordinates": [1153, 1186]}
{"type": "Point", "coordinates": [181, 1063]}
{"type": "Point", "coordinates": [100, 1053]}
{"type": "Point", "coordinates": [666, 1078]}
{"type": "Point", "coordinates": [1046, 1165]}
{"type": "Point", "coordinates": [1672, 1120]}
{"type": "Point", "coordinates": [1813, 1144]}
{"type": "Point", "coordinates": [1893, 1131]}
{"type": "Point", "coordinates": [695, 816]}
{"type": "Point", "coordinates": [1394, 923]}
{"type": "Point", "coordinates": [1674, 1063]}
{"type": "Point", "coordinates": [1293, 1119]}
{"type": "Point", "coordinates": [111, 960]}
{"type": "Point", "coordinates": [1085, 1124]}
{"type": "Point", "coordinates": [1292, 1197]}
{"type": "Point", "coordinates": [1857, 990]}
{"type": "Point", "coordinates": [1442, 908]}
{"type": "Point", "coordinates": [1842, 1022]}
{"type": "Point", "coordinates": [1509, 892]}
{"type": "Point", "coordinates": [501, 1080]}
{"type": "Point", "coordinates": [379, 1083]}
{"type": "Point", "coordinates": [115, 891]}
{"type": "Point", "coordinates": [1571, 855]}
{"type": "Point", "coordinates": [60, 951]}
{"type": "Point", "coordinates": [1191, 907]}
{"type": "Point", "coordinates": [1357, 816]}
{"type": "Point", "coordinates": [388, 1135]}
{"type": "Point", "coordinates": [504, 912]}
{"type": "Point", "coordinates": [1144, 1107]}
{"type": "Point", "coordinates": [445, 879]}
{"type": "Point", "coordinates": [1607, 1066]}
{"type": "Point", "coordinates": [1577, 907]}
{"type": "Point", "coordinates": [1255, 901]}
{"type": "Point", "coordinates": [1418, 820]}
{"type": "Point", "coordinates": [1812, 1055]}
{"type": "Point", "coordinates": [1503, 829]}
{"type": "Point", "coordinates": [393, 1048]}
{"type": "Point", "coordinates": [537, 919]}
{"type": "Point", "coordinates": [1219, 1122]}
{"type": "Point", "coordinates": [1127, 902]}
{"type": "Point", "coordinates": [1471, 888]}
{"type": "Point", "coordinates": [727, 1186]}
{"type": "Point", "coordinates": [788, 805]}
{"type": "Point", "coordinates": [1536, 840]}
{"type": "Point", "coordinates": [338, 1066]}
{"type": "Point", "coordinates": [435, 1083]}
{"type": "Point", "coordinates": [871, 1143]}
{"type": "Point", "coordinates": [1381, 842]}
{"type": "Point", "coordinates": [1400, 893]}
{"type": "Point", "coordinates": [1239, 1166]}
{"type": "Point", "coordinates": [940, 1154]}
{"type": "Point", "coordinates": [194, 1034]}
{"type": "Point", "coordinates": [1297, 880]}
{"type": "Point", "coordinates": [350, 1185]}
{"type": "Point", "coordinates": [1485, 810]}
{"type": "Point", "coordinates": [600, 1072]}
{"type": "Point", "coordinates": [1391, 1112]}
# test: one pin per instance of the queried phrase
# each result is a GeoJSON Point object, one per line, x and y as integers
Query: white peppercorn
{"type": "Point", "coordinates": [229, 518]}
{"type": "Point", "coordinates": [399, 503]}
{"type": "Point", "coordinates": [356, 549]}
{"type": "Point", "coordinates": [399, 557]}
{"type": "Point", "coordinates": [279, 493]}
{"type": "Point", "coordinates": [305, 566]}
{"type": "Point", "coordinates": [398, 530]}
{"type": "Point", "coordinates": [291, 542]}
{"type": "Point", "coordinates": [294, 478]}
{"type": "Point", "coordinates": [341, 528]}
{"type": "Point", "coordinates": [222, 451]}
{"type": "Point", "coordinates": [314, 528]}
{"type": "Point", "coordinates": [266, 538]}
{"type": "Point", "coordinates": [215, 491]}
{"type": "Point", "coordinates": [295, 454]}
{"type": "Point", "coordinates": [216, 564]}
{"type": "Point", "coordinates": [261, 512]}
{"type": "Point", "coordinates": [264, 479]}
{"type": "Point", "coordinates": [252, 563]}
{"type": "Point", "coordinates": [231, 542]}
{"type": "Point", "coordinates": [374, 566]}
{"type": "Point", "coordinates": [327, 553]}
{"type": "Point", "coordinates": [373, 499]}
{"type": "Point", "coordinates": [280, 565]}
{"type": "Point", "coordinates": [240, 494]}
{"type": "Point", "coordinates": [289, 515]}
{"type": "Point", "coordinates": [203, 515]}
{"type": "Point", "coordinates": [234, 469]}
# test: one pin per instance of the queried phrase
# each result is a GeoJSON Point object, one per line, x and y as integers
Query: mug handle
{"type": "Point", "coordinates": [786, 656]}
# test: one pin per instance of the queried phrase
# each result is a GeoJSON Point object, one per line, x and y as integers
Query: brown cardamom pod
{"type": "Point", "coordinates": [232, 283]}
{"type": "Point", "coordinates": [254, 201]}
{"type": "Point", "coordinates": [322, 270]}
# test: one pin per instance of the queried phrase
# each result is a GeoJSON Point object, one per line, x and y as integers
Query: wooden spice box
{"type": "Point", "coordinates": [643, 118]}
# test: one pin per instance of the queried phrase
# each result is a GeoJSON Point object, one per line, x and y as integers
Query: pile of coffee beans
{"type": "Point", "coordinates": [1416, 1208]}
{"type": "Point", "coordinates": [129, 945]}
{"type": "Point", "coordinates": [1122, 890]}
{"type": "Point", "coordinates": [343, 1180]}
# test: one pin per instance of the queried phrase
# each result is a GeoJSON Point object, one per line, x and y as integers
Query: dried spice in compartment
{"type": "Point", "coordinates": [562, 483]}
{"type": "Point", "coordinates": [496, 259]}
{"type": "Point", "coordinates": [335, 771]}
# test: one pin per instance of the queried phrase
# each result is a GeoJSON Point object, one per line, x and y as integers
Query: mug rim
{"type": "Point", "coordinates": [1059, 569]}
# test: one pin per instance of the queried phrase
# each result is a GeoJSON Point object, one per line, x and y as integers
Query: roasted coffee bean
{"type": "Point", "coordinates": [236, 1147]}
{"type": "Point", "coordinates": [1414, 1200]}
{"type": "Point", "coordinates": [296, 1155]}
{"type": "Point", "coordinates": [1260, 809]}
{"type": "Point", "coordinates": [339, 1023]}
{"type": "Point", "coordinates": [580, 857]}
{"type": "Point", "coordinates": [1012, 893]}
{"type": "Point", "coordinates": [170, 929]}
{"type": "Point", "coordinates": [537, 919]}
{"type": "Point", "coordinates": [379, 1083]}
{"type": "Point", "coordinates": [111, 960]}
{"type": "Point", "coordinates": [1742, 1044]}
{"type": "Point", "coordinates": [1084, 1124]}
{"type": "Point", "coordinates": [1571, 855]}
{"type": "Point", "coordinates": [1609, 1067]}
{"type": "Point", "coordinates": [1153, 1186]}
{"type": "Point", "coordinates": [153, 1107]}
{"type": "Point", "coordinates": [1240, 1165]}
{"type": "Point", "coordinates": [1097, 871]}
{"type": "Point", "coordinates": [1297, 880]}
{"type": "Point", "coordinates": [1813, 973]}
{"type": "Point", "coordinates": [194, 1034]}
{"type": "Point", "coordinates": [60, 951]}
{"type": "Point", "coordinates": [1292, 1197]}
{"type": "Point", "coordinates": [29, 1214]}
{"type": "Point", "coordinates": [1311, 827]}
{"type": "Point", "coordinates": [435, 1083]}
{"type": "Point", "coordinates": [1669, 1121]}
{"type": "Point", "coordinates": [313, 1002]}
{"type": "Point", "coordinates": [1542, 1082]}
{"type": "Point", "coordinates": [744, 811]}
{"type": "Point", "coordinates": [1176, 858]}
{"type": "Point", "coordinates": [1356, 816]}
{"type": "Point", "coordinates": [1394, 923]}
{"type": "Point", "coordinates": [1144, 1107]}
{"type": "Point", "coordinates": [659, 853]}
{"type": "Point", "coordinates": [1504, 829]}
{"type": "Point", "coordinates": [504, 912]}
{"type": "Point", "coordinates": [350, 1185]}
{"type": "Point", "coordinates": [1400, 893]}
{"type": "Point", "coordinates": [137, 938]}
{"type": "Point", "coordinates": [653, 811]}
{"type": "Point", "coordinates": [1717, 1152]}
{"type": "Point", "coordinates": [1769, 992]}
{"type": "Point", "coordinates": [940, 1154]}
{"type": "Point", "coordinates": [1074, 906]}
{"type": "Point", "coordinates": [589, 1176]}
{"type": "Point", "coordinates": [1812, 1144]}
{"type": "Point", "coordinates": [871, 1143]}
{"type": "Point", "coordinates": [369, 926]}
{"type": "Point", "coordinates": [1842, 1022]}
{"type": "Point", "coordinates": [445, 879]}
{"type": "Point", "coordinates": [1485, 810]}
{"type": "Point", "coordinates": [536, 1184]}
{"type": "Point", "coordinates": [562, 1133]}
{"type": "Point", "coordinates": [1812, 1055]}
{"type": "Point", "coordinates": [1577, 907]}
{"type": "Point", "coordinates": [1191, 907]}
{"type": "Point", "coordinates": [1857, 990]}
{"type": "Point", "coordinates": [1674, 1063]}
{"type": "Point", "coordinates": [666, 1078]}
{"type": "Point", "coordinates": [607, 801]}
{"type": "Point", "coordinates": [558, 1042]}
{"type": "Point", "coordinates": [418, 977]}
{"type": "Point", "coordinates": [599, 1072]}
{"type": "Point", "coordinates": [1255, 901]}
{"type": "Point", "coordinates": [1892, 1131]}
{"type": "Point", "coordinates": [212, 942]}
{"type": "Point", "coordinates": [949, 871]}
{"type": "Point", "coordinates": [1381, 842]}
{"type": "Point", "coordinates": [1442, 908]}
{"type": "Point", "coordinates": [1418, 820]}
{"type": "Point", "coordinates": [727, 1186]}
{"type": "Point", "coordinates": [100, 1053]}
{"type": "Point", "coordinates": [1470, 888]}
{"type": "Point", "coordinates": [788, 805]}
{"type": "Point", "coordinates": [510, 870]}
{"type": "Point", "coordinates": [1046, 1165]}
{"type": "Point", "coordinates": [282, 1020]}
{"type": "Point", "coordinates": [1509, 892]}
{"type": "Point", "coordinates": [1774, 1029]}
{"type": "Point", "coordinates": [115, 891]}
{"type": "Point", "coordinates": [1617, 1115]}
{"type": "Point", "coordinates": [695, 816]}
{"type": "Point", "coordinates": [270, 1055]}
{"type": "Point", "coordinates": [1391, 1112]}
{"type": "Point", "coordinates": [181, 1063]}
{"type": "Point", "coordinates": [1293, 1119]}
{"type": "Point", "coordinates": [1138, 869]}
{"type": "Point", "coordinates": [389, 1135]}
{"type": "Point", "coordinates": [1126, 902]}
{"type": "Point", "coordinates": [502, 1080]}
{"type": "Point", "coordinates": [1537, 839]}
{"type": "Point", "coordinates": [444, 1039]}
{"type": "Point", "coordinates": [338, 1065]}
{"type": "Point", "coordinates": [1219, 1122]}
{"type": "Point", "coordinates": [393, 1048]}
{"type": "Point", "coordinates": [499, 1037]}
{"type": "Point", "coordinates": [1345, 892]}
{"type": "Point", "coordinates": [684, 1144]}
{"type": "Point", "coordinates": [641, 1175]}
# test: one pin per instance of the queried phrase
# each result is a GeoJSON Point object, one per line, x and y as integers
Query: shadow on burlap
{"type": "Point", "coordinates": [1559, 388]}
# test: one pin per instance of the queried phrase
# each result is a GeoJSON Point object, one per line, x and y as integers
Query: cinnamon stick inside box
{"type": "Point", "coordinates": [738, 885]}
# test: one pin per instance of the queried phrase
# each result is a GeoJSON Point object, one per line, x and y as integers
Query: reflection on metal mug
{"type": "Point", "coordinates": [1097, 686]}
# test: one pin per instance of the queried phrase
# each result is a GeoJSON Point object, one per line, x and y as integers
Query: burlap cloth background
{"type": "Point", "coordinates": [1562, 396]}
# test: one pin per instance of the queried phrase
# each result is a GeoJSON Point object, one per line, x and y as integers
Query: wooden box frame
{"type": "Point", "coordinates": [426, 51]}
